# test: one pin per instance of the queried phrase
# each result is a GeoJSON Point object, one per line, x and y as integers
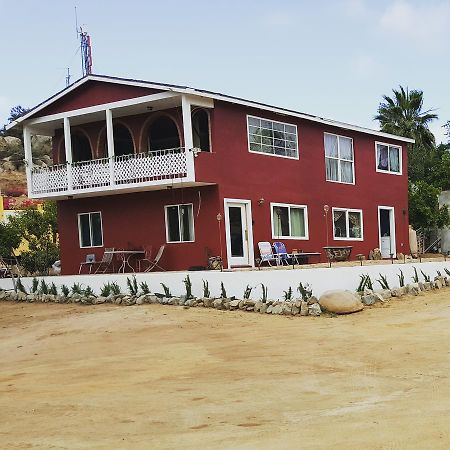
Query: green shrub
{"type": "Point", "coordinates": [132, 285]}
{"type": "Point", "coordinates": [206, 291]}
{"type": "Point", "coordinates": [144, 288]}
{"type": "Point", "coordinates": [305, 291]}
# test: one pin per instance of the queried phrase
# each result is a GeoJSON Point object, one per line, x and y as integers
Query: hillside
{"type": "Point", "coordinates": [12, 167]}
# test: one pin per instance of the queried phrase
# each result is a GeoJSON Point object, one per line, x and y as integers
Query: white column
{"type": "Point", "coordinates": [188, 139]}
{"type": "Point", "coordinates": [28, 158]}
{"type": "Point", "coordinates": [68, 147]}
{"type": "Point", "coordinates": [110, 144]}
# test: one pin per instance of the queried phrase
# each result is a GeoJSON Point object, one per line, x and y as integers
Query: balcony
{"type": "Point", "coordinates": [139, 171]}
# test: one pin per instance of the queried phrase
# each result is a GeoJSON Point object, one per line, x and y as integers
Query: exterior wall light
{"type": "Point", "coordinates": [261, 201]}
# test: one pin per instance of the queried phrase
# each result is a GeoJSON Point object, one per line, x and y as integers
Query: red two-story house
{"type": "Point", "coordinates": [139, 164]}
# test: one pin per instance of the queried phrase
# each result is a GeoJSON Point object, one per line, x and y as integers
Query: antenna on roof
{"type": "Point", "coordinates": [68, 77]}
{"type": "Point", "coordinates": [85, 46]}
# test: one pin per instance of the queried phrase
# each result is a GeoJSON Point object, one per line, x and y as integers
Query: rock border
{"type": "Point", "coordinates": [294, 307]}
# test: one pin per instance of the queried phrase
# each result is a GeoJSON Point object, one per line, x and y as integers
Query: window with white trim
{"type": "Point", "coordinates": [289, 221]}
{"type": "Point", "coordinates": [347, 224]}
{"type": "Point", "coordinates": [388, 158]}
{"type": "Point", "coordinates": [272, 138]}
{"type": "Point", "coordinates": [179, 223]}
{"type": "Point", "coordinates": [90, 229]}
{"type": "Point", "coordinates": [339, 160]}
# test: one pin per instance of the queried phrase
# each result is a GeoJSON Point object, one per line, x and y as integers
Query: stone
{"type": "Point", "coordinates": [263, 308]}
{"type": "Point", "coordinates": [269, 309]}
{"type": "Point", "coordinates": [257, 306]}
{"type": "Point", "coordinates": [208, 302]}
{"type": "Point", "coordinates": [312, 300]}
{"type": "Point", "coordinates": [100, 300]}
{"type": "Point", "coordinates": [427, 286]}
{"type": "Point", "coordinates": [234, 304]}
{"type": "Point", "coordinates": [438, 284]}
{"type": "Point", "coordinates": [295, 310]}
{"type": "Point", "coordinates": [385, 293]}
{"type": "Point", "coordinates": [340, 302]}
{"type": "Point", "coordinates": [304, 310]}
{"type": "Point", "coordinates": [397, 292]}
{"type": "Point", "coordinates": [286, 308]}
{"type": "Point", "coordinates": [218, 303]}
{"type": "Point", "coordinates": [241, 304]}
{"type": "Point", "coordinates": [250, 302]}
{"type": "Point", "coordinates": [314, 310]}
{"type": "Point", "coordinates": [277, 309]}
{"type": "Point", "coordinates": [413, 289]}
{"type": "Point", "coordinates": [421, 286]}
{"type": "Point", "coordinates": [371, 299]}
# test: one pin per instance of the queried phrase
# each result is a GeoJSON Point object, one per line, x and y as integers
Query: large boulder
{"type": "Point", "coordinates": [340, 302]}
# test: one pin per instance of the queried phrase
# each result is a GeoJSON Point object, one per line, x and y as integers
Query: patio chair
{"type": "Point", "coordinates": [106, 262]}
{"type": "Point", "coordinates": [146, 258]}
{"type": "Point", "coordinates": [281, 253]}
{"type": "Point", "coordinates": [155, 262]}
{"type": "Point", "coordinates": [266, 253]}
{"type": "Point", "coordinates": [89, 262]}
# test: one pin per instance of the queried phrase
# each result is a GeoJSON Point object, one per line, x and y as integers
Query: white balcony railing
{"type": "Point", "coordinates": [149, 168]}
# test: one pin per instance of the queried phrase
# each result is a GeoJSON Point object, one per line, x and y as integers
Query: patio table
{"type": "Point", "coordinates": [125, 256]}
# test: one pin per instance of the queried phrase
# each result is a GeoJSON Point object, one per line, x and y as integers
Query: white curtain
{"type": "Point", "coordinates": [394, 159]}
{"type": "Point", "coordinates": [331, 145]}
{"type": "Point", "coordinates": [332, 167]}
{"type": "Point", "coordinates": [297, 222]}
{"type": "Point", "coordinates": [346, 148]}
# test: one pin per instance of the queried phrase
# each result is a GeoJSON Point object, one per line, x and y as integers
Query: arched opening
{"type": "Point", "coordinates": [123, 141]}
{"type": "Point", "coordinates": [163, 134]}
{"type": "Point", "coordinates": [81, 147]}
{"type": "Point", "coordinates": [200, 130]}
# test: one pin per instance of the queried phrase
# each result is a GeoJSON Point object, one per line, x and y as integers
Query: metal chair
{"type": "Point", "coordinates": [146, 258]}
{"type": "Point", "coordinates": [90, 261]}
{"type": "Point", "coordinates": [154, 262]}
{"type": "Point", "coordinates": [106, 262]}
{"type": "Point", "coordinates": [266, 253]}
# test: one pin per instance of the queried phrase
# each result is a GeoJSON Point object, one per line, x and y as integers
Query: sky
{"type": "Point", "coordinates": [335, 59]}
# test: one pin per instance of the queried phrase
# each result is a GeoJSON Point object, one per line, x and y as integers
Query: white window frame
{"type": "Point", "coordinates": [348, 210]}
{"type": "Point", "coordinates": [272, 154]}
{"type": "Point", "coordinates": [89, 213]}
{"type": "Point", "coordinates": [179, 223]}
{"type": "Point", "coordinates": [339, 159]}
{"type": "Point", "coordinates": [289, 206]}
{"type": "Point", "coordinates": [400, 158]}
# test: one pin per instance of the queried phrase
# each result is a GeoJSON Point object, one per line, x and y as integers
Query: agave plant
{"type": "Point", "coordinates": [132, 285]}
{"type": "Point", "coordinates": [188, 285]}
{"type": "Point", "coordinates": [383, 282]}
{"type": "Point", "coordinates": [288, 294]}
{"type": "Point", "coordinates": [144, 288]}
{"type": "Point", "coordinates": [206, 292]}
{"type": "Point", "coordinates": [401, 279]}
{"type": "Point", "coordinates": [166, 289]}
{"type": "Point", "coordinates": [247, 292]}
{"type": "Point", "coordinates": [65, 290]}
{"type": "Point", "coordinates": [305, 291]}
{"type": "Point", "coordinates": [223, 292]}
{"type": "Point", "coordinates": [264, 293]}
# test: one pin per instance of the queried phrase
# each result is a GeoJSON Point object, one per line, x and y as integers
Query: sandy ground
{"type": "Point", "coordinates": [147, 377]}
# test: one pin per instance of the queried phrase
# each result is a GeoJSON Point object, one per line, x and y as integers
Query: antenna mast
{"type": "Point", "coordinates": [85, 46]}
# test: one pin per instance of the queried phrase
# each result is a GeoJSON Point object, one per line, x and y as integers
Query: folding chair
{"type": "Point", "coordinates": [281, 253]}
{"type": "Point", "coordinates": [146, 258]}
{"type": "Point", "coordinates": [106, 262]}
{"type": "Point", "coordinates": [90, 261]}
{"type": "Point", "coordinates": [266, 253]}
{"type": "Point", "coordinates": [155, 262]}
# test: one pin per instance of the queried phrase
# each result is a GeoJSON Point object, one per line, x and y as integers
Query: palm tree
{"type": "Point", "coordinates": [403, 115]}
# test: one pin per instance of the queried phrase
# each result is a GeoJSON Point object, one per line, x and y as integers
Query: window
{"type": "Point", "coordinates": [179, 223]}
{"type": "Point", "coordinates": [347, 224]}
{"type": "Point", "coordinates": [339, 158]}
{"type": "Point", "coordinates": [272, 138]}
{"type": "Point", "coordinates": [388, 158]}
{"type": "Point", "coordinates": [289, 221]}
{"type": "Point", "coordinates": [90, 229]}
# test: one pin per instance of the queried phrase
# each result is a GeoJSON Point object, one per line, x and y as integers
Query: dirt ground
{"type": "Point", "coordinates": [151, 377]}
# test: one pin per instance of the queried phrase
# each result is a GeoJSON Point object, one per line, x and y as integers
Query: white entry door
{"type": "Point", "coordinates": [238, 230]}
{"type": "Point", "coordinates": [386, 226]}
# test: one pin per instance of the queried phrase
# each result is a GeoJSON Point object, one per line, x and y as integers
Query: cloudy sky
{"type": "Point", "coordinates": [331, 58]}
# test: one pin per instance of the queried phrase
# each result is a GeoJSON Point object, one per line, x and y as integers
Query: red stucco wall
{"type": "Point", "coordinates": [94, 93]}
{"type": "Point", "coordinates": [137, 220]}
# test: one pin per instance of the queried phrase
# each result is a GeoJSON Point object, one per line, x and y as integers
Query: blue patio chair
{"type": "Point", "coordinates": [281, 253]}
